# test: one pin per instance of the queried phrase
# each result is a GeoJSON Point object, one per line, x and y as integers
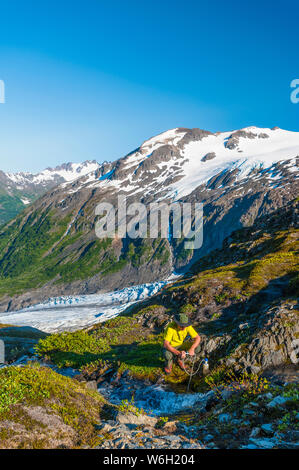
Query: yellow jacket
{"type": "Point", "coordinates": [176, 337]}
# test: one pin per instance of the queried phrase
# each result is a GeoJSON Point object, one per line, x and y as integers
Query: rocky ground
{"type": "Point", "coordinates": [265, 416]}
{"type": "Point", "coordinates": [129, 435]}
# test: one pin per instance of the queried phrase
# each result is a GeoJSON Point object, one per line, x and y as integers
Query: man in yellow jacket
{"type": "Point", "coordinates": [175, 336]}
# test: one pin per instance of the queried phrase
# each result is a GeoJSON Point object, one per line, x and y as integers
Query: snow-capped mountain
{"type": "Point", "coordinates": [176, 162]}
{"type": "Point", "coordinates": [238, 176]}
{"type": "Point", "coordinates": [20, 189]}
{"type": "Point", "coordinates": [66, 172]}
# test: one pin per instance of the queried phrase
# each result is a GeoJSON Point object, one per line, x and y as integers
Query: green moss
{"type": "Point", "coordinates": [245, 278]}
{"type": "Point", "coordinates": [36, 385]}
{"type": "Point", "coordinates": [33, 385]}
{"type": "Point", "coordinates": [80, 348]}
{"type": "Point", "coordinates": [120, 341]}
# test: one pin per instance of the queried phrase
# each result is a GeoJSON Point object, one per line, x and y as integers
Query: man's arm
{"type": "Point", "coordinates": [170, 348]}
{"type": "Point", "coordinates": [196, 342]}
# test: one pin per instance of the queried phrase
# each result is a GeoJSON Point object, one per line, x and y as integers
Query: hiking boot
{"type": "Point", "coordinates": [168, 369]}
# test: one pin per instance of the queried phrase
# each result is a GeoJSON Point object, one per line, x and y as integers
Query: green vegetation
{"type": "Point", "coordinates": [162, 252]}
{"type": "Point", "coordinates": [275, 257]}
{"type": "Point", "coordinates": [40, 252]}
{"type": "Point", "coordinates": [23, 389]}
{"type": "Point", "coordinates": [121, 341]}
{"type": "Point", "coordinates": [10, 206]}
{"type": "Point", "coordinates": [249, 384]}
{"type": "Point", "coordinates": [128, 406]}
{"type": "Point", "coordinates": [37, 247]}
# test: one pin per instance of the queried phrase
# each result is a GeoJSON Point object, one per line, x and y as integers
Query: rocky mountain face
{"type": "Point", "coordinates": [51, 248]}
{"type": "Point", "coordinates": [17, 190]}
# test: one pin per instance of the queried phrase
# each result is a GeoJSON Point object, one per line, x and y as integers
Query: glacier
{"type": "Point", "coordinates": [70, 313]}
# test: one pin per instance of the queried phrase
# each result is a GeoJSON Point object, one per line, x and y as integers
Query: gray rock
{"type": "Point", "coordinates": [248, 412]}
{"type": "Point", "coordinates": [104, 427]}
{"type": "Point", "coordinates": [208, 156]}
{"type": "Point", "coordinates": [187, 446]}
{"type": "Point", "coordinates": [254, 369]}
{"type": "Point", "coordinates": [171, 438]}
{"type": "Point", "coordinates": [249, 446]}
{"type": "Point", "coordinates": [267, 395]}
{"type": "Point", "coordinates": [264, 443]}
{"type": "Point", "coordinates": [236, 422]}
{"type": "Point", "coordinates": [255, 432]}
{"type": "Point", "coordinates": [267, 428]}
{"type": "Point", "coordinates": [224, 418]}
{"type": "Point", "coordinates": [131, 418]}
{"type": "Point", "coordinates": [92, 385]}
{"type": "Point", "coordinates": [277, 401]}
{"type": "Point", "coordinates": [242, 326]}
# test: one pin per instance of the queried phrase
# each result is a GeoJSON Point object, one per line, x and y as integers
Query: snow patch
{"type": "Point", "coordinates": [25, 201]}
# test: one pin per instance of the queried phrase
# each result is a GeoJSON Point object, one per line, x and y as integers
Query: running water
{"type": "Point", "coordinates": [154, 399]}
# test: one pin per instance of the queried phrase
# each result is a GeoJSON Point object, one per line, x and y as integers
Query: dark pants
{"type": "Point", "coordinates": [170, 357]}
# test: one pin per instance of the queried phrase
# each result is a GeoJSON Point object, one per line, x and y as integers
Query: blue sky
{"type": "Point", "coordinates": [93, 79]}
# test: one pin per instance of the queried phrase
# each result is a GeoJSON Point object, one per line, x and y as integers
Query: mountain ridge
{"type": "Point", "coordinates": [19, 189]}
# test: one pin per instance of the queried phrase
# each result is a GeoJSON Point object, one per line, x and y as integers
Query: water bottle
{"type": "Point", "coordinates": [205, 367]}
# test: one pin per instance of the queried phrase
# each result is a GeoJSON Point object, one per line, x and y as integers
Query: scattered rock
{"type": "Point", "coordinates": [224, 418]}
{"type": "Point", "coordinates": [92, 385]}
{"type": "Point", "coordinates": [267, 428]}
{"type": "Point", "coordinates": [264, 443]}
{"type": "Point", "coordinates": [277, 401]}
{"type": "Point", "coordinates": [255, 432]}
{"type": "Point", "coordinates": [131, 418]}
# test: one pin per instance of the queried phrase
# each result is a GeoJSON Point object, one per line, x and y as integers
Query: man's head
{"type": "Point", "coordinates": [182, 320]}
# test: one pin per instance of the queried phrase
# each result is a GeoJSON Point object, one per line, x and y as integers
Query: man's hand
{"type": "Point", "coordinates": [183, 354]}
{"type": "Point", "coordinates": [196, 342]}
{"type": "Point", "coordinates": [171, 349]}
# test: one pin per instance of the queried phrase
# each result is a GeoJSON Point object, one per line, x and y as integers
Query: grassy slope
{"type": "Point", "coordinates": [40, 409]}
{"type": "Point", "coordinates": [35, 249]}
{"type": "Point", "coordinates": [122, 341]}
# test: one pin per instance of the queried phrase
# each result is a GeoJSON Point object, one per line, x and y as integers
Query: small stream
{"type": "Point", "coordinates": [154, 399]}
{"type": "Point", "coordinates": [158, 400]}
